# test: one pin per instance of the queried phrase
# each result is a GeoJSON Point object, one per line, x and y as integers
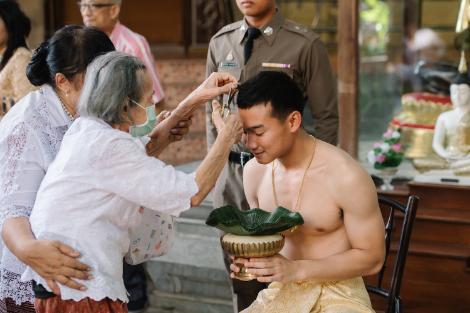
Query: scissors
{"type": "Point", "coordinates": [225, 109]}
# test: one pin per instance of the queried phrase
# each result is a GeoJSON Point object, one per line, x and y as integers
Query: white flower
{"type": "Point", "coordinates": [396, 135]}
{"type": "Point", "coordinates": [385, 147]}
{"type": "Point", "coordinates": [371, 157]}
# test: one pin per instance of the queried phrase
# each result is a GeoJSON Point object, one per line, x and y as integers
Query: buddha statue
{"type": "Point", "coordinates": [451, 140]}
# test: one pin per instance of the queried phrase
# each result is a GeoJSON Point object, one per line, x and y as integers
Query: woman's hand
{"type": "Point", "coordinates": [217, 118]}
{"type": "Point", "coordinates": [168, 129]}
{"type": "Point", "coordinates": [232, 128]}
{"type": "Point", "coordinates": [55, 262]}
{"type": "Point", "coordinates": [215, 85]}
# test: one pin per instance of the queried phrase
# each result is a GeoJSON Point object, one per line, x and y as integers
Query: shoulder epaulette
{"type": "Point", "coordinates": [228, 28]}
{"type": "Point", "coordinates": [300, 29]}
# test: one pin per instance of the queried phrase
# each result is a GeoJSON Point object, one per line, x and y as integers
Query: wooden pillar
{"type": "Point", "coordinates": [348, 75]}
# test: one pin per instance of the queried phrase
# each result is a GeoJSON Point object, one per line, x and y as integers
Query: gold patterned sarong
{"type": "Point", "coordinates": [347, 296]}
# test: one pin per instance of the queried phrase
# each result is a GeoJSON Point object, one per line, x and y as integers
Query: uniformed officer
{"type": "Point", "coordinates": [265, 41]}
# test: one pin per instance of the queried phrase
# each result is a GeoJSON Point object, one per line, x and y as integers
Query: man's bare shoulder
{"type": "Point", "coordinates": [254, 170]}
{"type": "Point", "coordinates": [343, 172]}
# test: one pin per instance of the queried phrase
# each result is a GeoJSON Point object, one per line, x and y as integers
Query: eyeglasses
{"type": "Point", "coordinates": [93, 6]}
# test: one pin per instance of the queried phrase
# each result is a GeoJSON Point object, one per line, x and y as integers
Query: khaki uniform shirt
{"type": "Point", "coordinates": [283, 46]}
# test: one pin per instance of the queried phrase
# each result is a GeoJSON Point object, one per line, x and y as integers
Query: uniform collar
{"type": "Point", "coordinates": [269, 31]}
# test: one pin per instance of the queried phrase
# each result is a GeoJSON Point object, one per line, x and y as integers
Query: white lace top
{"type": "Point", "coordinates": [30, 137]}
{"type": "Point", "coordinates": [91, 195]}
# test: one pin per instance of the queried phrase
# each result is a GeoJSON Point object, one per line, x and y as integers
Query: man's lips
{"type": "Point", "coordinates": [247, 3]}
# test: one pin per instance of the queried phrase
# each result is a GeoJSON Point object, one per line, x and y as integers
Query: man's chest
{"type": "Point", "coordinates": [318, 209]}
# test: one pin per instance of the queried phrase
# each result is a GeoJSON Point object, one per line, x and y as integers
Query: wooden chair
{"type": "Point", "coordinates": [391, 293]}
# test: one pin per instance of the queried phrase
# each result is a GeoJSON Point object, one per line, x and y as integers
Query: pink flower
{"type": "Point", "coordinates": [377, 144]}
{"type": "Point", "coordinates": [396, 147]}
{"type": "Point", "coordinates": [380, 158]}
{"type": "Point", "coordinates": [388, 133]}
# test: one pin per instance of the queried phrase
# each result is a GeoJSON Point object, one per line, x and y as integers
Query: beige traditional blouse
{"type": "Point", "coordinates": [13, 81]}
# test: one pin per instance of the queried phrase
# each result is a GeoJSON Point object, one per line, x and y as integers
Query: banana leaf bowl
{"type": "Point", "coordinates": [252, 234]}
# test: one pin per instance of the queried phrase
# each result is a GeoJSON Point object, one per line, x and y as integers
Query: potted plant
{"type": "Point", "coordinates": [386, 156]}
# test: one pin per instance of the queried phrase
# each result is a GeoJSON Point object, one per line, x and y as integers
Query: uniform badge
{"type": "Point", "coordinates": [275, 65]}
{"type": "Point", "coordinates": [229, 56]}
{"type": "Point", "coordinates": [268, 31]}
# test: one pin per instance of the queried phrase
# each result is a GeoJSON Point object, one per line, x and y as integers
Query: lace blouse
{"type": "Point", "coordinates": [90, 198]}
{"type": "Point", "coordinates": [30, 137]}
{"type": "Point", "coordinates": [13, 81]}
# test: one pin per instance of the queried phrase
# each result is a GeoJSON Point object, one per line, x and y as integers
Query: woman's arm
{"type": "Point", "coordinates": [52, 260]}
{"type": "Point", "coordinates": [175, 125]}
{"type": "Point", "coordinates": [21, 173]}
{"type": "Point", "coordinates": [212, 165]}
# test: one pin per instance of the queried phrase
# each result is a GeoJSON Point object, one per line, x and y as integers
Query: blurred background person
{"type": "Point", "coordinates": [427, 46]}
{"type": "Point", "coordinates": [104, 15]}
{"type": "Point", "coordinates": [14, 54]}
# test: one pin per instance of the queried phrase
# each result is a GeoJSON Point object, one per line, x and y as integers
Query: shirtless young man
{"type": "Point", "coordinates": [321, 264]}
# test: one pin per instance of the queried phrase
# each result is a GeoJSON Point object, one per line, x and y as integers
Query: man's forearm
{"type": "Point", "coordinates": [16, 232]}
{"type": "Point", "coordinates": [345, 265]}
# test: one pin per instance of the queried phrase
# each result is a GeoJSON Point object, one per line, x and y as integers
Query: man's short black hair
{"type": "Point", "coordinates": [272, 87]}
{"type": "Point", "coordinates": [461, 79]}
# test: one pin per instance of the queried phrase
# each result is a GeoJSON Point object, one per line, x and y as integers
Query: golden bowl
{"type": "Point", "coordinates": [251, 247]}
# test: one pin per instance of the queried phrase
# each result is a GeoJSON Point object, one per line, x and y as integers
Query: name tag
{"type": "Point", "coordinates": [229, 64]}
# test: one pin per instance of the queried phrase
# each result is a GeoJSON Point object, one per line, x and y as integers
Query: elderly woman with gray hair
{"type": "Point", "coordinates": [92, 192]}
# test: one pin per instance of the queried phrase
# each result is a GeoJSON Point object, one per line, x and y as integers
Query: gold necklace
{"type": "Point", "coordinates": [297, 203]}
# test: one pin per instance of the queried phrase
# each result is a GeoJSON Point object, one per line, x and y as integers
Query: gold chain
{"type": "Point", "coordinates": [297, 203]}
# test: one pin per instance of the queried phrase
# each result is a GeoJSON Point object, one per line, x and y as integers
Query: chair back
{"type": "Point", "coordinates": [389, 209]}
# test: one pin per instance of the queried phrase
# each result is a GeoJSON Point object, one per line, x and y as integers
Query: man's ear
{"type": "Point", "coordinates": [115, 10]}
{"type": "Point", "coordinates": [294, 121]}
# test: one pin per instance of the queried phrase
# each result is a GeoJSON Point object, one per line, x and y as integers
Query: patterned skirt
{"type": "Point", "coordinates": [9, 306]}
{"type": "Point", "coordinates": [87, 305]}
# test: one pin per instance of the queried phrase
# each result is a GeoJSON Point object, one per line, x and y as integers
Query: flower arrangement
{"type": "Point", "coordinates": [388, 152]}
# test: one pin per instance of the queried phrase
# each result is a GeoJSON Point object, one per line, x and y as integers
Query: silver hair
{"type": "Point", "coordinates": [110, 81]}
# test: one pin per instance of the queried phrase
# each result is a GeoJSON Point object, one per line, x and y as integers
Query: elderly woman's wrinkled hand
{"type": "Point", "coordinates": [56, 262]}
{"type": "Point", "coordinates": [232, 129]}
{"type": "Point", "coordinates": [215, 85]}
{"type": "Point", "coordinates": [217, 118]}
{"type": "Point", "coordinates": [169, 128]}
{"type": "Point", "coordinates": [181, 129]}
{"type": "Point", "coordinates": [174, 134]}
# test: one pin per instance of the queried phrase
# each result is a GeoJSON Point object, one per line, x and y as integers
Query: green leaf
{"type": "Point", "coordinates": [254, 222]}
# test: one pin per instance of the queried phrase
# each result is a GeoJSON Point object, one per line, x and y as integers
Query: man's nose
{"type": "Point", "coordinates": [251, 142]}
